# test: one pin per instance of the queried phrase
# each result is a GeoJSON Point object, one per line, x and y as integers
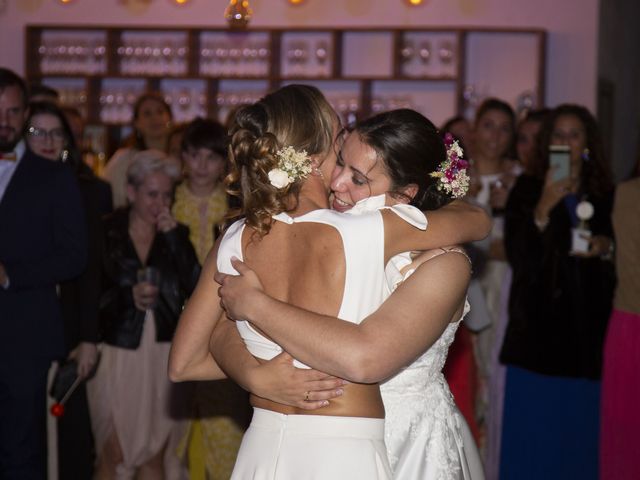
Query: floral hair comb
{"type": "Point", "coordinates": [452, 172]}
{"type": "Point", "coordinates": [292, 165]}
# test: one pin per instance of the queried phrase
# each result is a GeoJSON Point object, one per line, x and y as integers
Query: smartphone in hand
{"type": "Point", "coordinates": [560, 160]}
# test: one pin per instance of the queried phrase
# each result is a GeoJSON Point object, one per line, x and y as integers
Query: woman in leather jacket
{"type": "Point", "coordinates": [150, 269]}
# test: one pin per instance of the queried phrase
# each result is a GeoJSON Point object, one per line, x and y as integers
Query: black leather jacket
{"type": "Point", "coordinates": [171, 253]}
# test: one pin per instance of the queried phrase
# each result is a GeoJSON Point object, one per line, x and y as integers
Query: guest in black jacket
{"type": "Point", "coordinates": [150, 270]}
{"type": "Point", "coordinates": [42, 243]}
{"type": "Point", "coordinates": [48, 134]}
{"type": "Point", "coordinates": [559, 305]}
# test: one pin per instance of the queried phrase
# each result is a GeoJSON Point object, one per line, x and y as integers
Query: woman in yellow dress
{"type": "Point", "coordinates": [221, 408]}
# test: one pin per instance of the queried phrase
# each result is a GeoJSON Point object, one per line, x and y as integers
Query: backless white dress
{"type": "Point", "coordinates": [278, 446]}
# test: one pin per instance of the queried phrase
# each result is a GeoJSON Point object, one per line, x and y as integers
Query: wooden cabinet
{"type": "Point", "coordinates": [208, 72]}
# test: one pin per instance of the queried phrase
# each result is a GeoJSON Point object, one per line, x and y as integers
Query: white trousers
{"type": "Point", "coordinates": [301, 447]}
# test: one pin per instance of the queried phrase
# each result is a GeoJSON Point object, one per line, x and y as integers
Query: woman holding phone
{"type": "Point", "coordinates": [559, 305]}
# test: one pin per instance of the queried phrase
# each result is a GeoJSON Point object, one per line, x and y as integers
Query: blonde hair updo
{"type": "Point", "coordinates": [295, 115]}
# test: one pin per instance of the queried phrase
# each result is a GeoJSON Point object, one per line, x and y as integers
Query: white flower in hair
{"type": "Point", "coordinates": [279, 178]}
{"type": "Point", "coordinates": [292, 166]}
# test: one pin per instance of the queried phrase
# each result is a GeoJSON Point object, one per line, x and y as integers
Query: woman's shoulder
{"type": "Point", "coordinates": [124, 152]}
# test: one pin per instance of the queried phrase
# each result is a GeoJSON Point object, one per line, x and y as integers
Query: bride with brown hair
{"type": "Point", "coordinates": [311, 257]}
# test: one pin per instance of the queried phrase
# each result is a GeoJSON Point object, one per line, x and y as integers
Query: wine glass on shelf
{"type": "Point", "coordinates": [202, 103]}
{"type": "Point", "coordinates": [44, 51]}
{"type": "Point", "coordinates": [297, 55]}
{"type": "Point", "coordinates": [446, 54]}
{"type": "Point", "coordinates": [407, 51]}
{"type": "Point", "coordinates": [206, 52]}
{"type": "Point", "coordinates": [252, 60]}
{"type": "Point", "coordinates": [222, 56]}
{"type": "Point", "coordinates": [235, 55]}
{"type": "Point", "coordinates": [471, 100]}
{"type": "Point", "coordinates": [322, 55]}
{"type": "Point", "coordinates": [264, 54]}
{"type": "Point", "coordinates": [424, 52]}
{"type": "Point", "coordinates": [377, 105]}
{"type": "Point", "coordinates": [96, 54]}
{"type": "Point", "coordinates": [179, 61]}
{"type": "Point", "coordinates": [184, 103]}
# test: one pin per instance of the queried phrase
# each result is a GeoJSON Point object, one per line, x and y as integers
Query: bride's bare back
{"type": "Point", "coordinates": [303, 264]}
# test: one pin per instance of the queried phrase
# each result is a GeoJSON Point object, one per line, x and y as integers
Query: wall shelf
{"type": "Point", "coordinates": [207, 71]}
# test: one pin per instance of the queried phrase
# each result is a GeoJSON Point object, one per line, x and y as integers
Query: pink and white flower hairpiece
{"type": "Point", "coordinates": [452, 172]}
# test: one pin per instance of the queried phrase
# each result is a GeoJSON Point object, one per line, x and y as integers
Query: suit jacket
{"type": "Point", "coordinates": [80, 296]}
{"type": "Point", "coordinates": [42, 242]}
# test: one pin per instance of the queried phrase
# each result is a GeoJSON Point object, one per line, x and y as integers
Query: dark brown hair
{"type": "Point", "coordinates": [411, 148]}
{"type": "Point", "coordinates": [595, 175]}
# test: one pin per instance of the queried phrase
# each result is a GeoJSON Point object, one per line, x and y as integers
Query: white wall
{"type": "Point", "coordinates": [572, 25]}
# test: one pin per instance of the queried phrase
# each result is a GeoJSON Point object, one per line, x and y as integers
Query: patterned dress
{"type": "Point", "coordinates": [201, 215]}
{"type": "Point", "coordinates": [222, 408]}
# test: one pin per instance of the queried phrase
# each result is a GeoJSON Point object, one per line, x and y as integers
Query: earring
{"type": "Point", "coordinates": [316, 171]}
{"type": "Point", "coordinates": [585, 155]}
{"type": "Point", "coordinates": [64, 156]}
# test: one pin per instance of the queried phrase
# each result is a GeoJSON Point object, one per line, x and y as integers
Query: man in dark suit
{"type": "Point", "coordinates": [42, 242]}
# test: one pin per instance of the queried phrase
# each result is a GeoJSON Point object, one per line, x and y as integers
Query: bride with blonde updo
{"type": "Point", "coordinates": [283, 154]}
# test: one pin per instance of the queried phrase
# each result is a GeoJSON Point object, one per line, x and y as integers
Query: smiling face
{"type": "Point", "coordinates": [358, 174]}
{"type": "Point", "coordinates": [492, 135]}
{"type": "Point", "coordinates": [46, 136]}
{"type": "Point", "coordinates": [151, 197]}
{"type": "Point", "coordinates": [153, 119]}
{"type": "Point", "coordinates": [203, 166]}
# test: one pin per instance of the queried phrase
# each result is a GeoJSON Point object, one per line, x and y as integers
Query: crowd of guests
{"type": "Point", "coordinates": [532, 376]}
{"type": "Point", "coordinates": [543, 367]}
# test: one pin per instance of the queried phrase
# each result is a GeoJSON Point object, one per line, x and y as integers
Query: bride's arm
{"type": "Point", "coordinates": [203, 331]}
{"type": "Point", "coordinates": [404, 327]}
{"type": "Point", "coordinates": [277, 379]}
{"type": "Point", "coordinates": [189, 358]}
{"type": "Point", "coordinates": [458, 222]}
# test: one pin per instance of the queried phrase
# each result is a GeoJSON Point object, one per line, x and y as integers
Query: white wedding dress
{"type": "Point", "coordinates": [426, 436]}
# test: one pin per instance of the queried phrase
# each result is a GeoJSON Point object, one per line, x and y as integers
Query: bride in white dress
{"type": "Point", "coordinates": [425, 434]}
{"type": "Point", "coordinates": [378, 355]}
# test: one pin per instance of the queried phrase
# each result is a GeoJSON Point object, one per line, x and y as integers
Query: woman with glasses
{"type": "Point", "coordinates": [47, 133]}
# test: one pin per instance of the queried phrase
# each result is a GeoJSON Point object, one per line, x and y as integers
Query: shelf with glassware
{"type": "Point", "coordinates": [204, 71]}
